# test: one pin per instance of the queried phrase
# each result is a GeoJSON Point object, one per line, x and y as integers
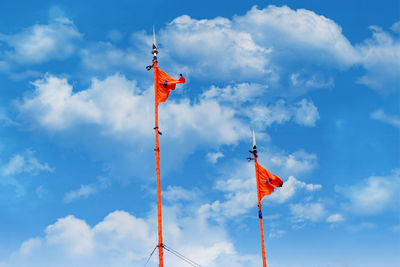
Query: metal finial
{"type": "Point", "coordinates": [154, 51]}
{"type": "Point", "coordinates": [254, 141]}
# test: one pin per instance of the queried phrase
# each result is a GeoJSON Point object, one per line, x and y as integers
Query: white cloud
{"type": "Point", "coordinates": [298, 33]}
{"type": "Point", "coordinates": [22, 164]}
{"type": "Point", "coordinates": [381, 116]}
{"type": "Point", "coordinates": [306, 113]}
{"type": "Point", "coordinates": [335, 218]}
{"type": "Point", "coordinates": [85, 191]}
{"type": "Point", "coordinates": [125, 240]}
{"type": "Point", "coordinates": [56, 107]}
{"type": "Point", "coordinates": [214, 156]}
{"type": "Point", "coordinates": [72, 234]}
{"type": "Point", "coordinates": [25, 163]}
{"type": "Point", "coordinates": [276, 233]}
{"type": "Point", "coordinates": [296, 163]}
{"type": "Point", "coordinates": [264, 42]}
{"type": "Point", "coordinates": [175, 194]}
{"type": "Point", "coordinates": [303, 112]}
{"type": "Point", "coordinates": [380, 56]}
{"type": "Point", "coordinates": [373, 195]}
{"type": "Point", "coordinates": [263, 115]}
{"type": "Point", "coordinates": [30, 245]}
{"type": "Point", "coordinates": [215, 48]}
{"type": "Point", "coordinates": [314, 81]}
{"type": "Point", "coordinates": [41, 43]}
{"type": "Point", "coordinates": [237, 93]}
{"type": "Point", "coordinates": [258, 46]}
{"type": "Point", "coordinates": [313, 212]}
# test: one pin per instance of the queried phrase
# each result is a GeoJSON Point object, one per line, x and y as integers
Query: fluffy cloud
{"type": "Point", "coordinates": [41, 43]}
{"type": "Point", "coordinates": [117, 110]}
{"type": "Point", "coordinates": [264, 43]}
{"type": "Point", "coordinates": [85, 191]}
{"type": "Point", "coordinates": [313, 212]}
{"type": "Point", "coordinates": [249, 101]}
{"type": "Point", "coordinates": [272, 44]}
{"type": "Point", "coordinates": [303, 112]}
{"type": "Point", "coordinates": [237, 93]}
{"type": "Point", "coordinates": [122, 239]}
{"type": "Point", "coordinates": [175, 194]}
{"type": "Point", "coordinates": [213, 157]}
{"type": "Point", "coordinates": [373, 195]}
{"type": "Point", "coordinates": [25, 163]}
{"type": "Point", "coordinates": [334, 218]}
{"type": "Point", "coordinates": [306, 113]}
{"type": "Point", "coordinates": [310, 81]}
{"type": "Point", "coordinates": [55, 106]}
{"type": "Point", "coordinates": [214, 48]}
{"type": "Point", "coordinates": [257, 46]}
{"type": "Point", "coordinates": [380, 56]}
{"type": "Point", "coordinates": [261, 46]}
{"type": "Point", "coordinates": [296, 163]}
{"type": "Point", "coordinates": [381, 116]}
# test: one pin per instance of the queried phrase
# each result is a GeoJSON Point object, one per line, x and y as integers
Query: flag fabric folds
{"type": "Point", "coordinates": [266, 181]}
{"type": "Point", "coordinates": [165, 84]}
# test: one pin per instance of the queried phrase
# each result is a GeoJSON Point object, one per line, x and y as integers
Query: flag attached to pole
{"type": "Point", "coordinates": [266, 181]}
{"type": "Point", "coordinates": [165, 84]}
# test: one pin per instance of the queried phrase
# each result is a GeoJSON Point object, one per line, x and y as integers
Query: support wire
{"type": "Point", "coordinates": [151, 254]}
{"type": "Point", "coordinates": [182, 257]}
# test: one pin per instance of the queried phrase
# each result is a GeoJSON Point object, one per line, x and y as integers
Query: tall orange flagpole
{"type": "Point", "coordinates": [157, 149]}
{"type": "Point", "coordinates": [254, 152]}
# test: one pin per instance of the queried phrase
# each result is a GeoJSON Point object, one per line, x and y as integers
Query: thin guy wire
{"type": "Point", "coordinates": [182, 257]}
{"type": "Point", "coordinates": [151, 254]}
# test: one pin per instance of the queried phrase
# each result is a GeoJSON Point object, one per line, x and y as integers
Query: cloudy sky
{"type": "Point", "coordinates": [318, 81]}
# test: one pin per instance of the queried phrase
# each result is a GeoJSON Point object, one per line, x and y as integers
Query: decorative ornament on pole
{"type": "Point", "coordinates": [253, 151]}
{"type": "Point", "coordinates": [154, 52]}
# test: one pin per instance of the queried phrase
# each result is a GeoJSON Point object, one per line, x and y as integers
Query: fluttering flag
{"type": "Point", "coordinates": [266, 181]}
{"type": "Point", "coordinates": [165, 84]}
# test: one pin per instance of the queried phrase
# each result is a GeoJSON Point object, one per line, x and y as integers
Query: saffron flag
{"type": "Point", "coordinates": [267, 181]}
{"type": "Point", "coordinates": [165, 84]}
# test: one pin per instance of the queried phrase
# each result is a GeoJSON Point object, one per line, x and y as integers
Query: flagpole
{"type": "Point", "coordinates": [157, 149]}
{"type": "Point", "coordinates": [254, 152]}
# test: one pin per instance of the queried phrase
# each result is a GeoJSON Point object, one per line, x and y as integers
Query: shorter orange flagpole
{"type": "Point", "coordinates": [254, 152]}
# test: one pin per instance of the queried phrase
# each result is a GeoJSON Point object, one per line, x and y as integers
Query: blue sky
{"type": "Point", "coordinates": [317, 81]}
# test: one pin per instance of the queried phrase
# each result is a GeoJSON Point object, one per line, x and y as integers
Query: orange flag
{"type": "Point", "coordinates": [267, 181]}
{"type": "Point", "coordinates": [165, 84]}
